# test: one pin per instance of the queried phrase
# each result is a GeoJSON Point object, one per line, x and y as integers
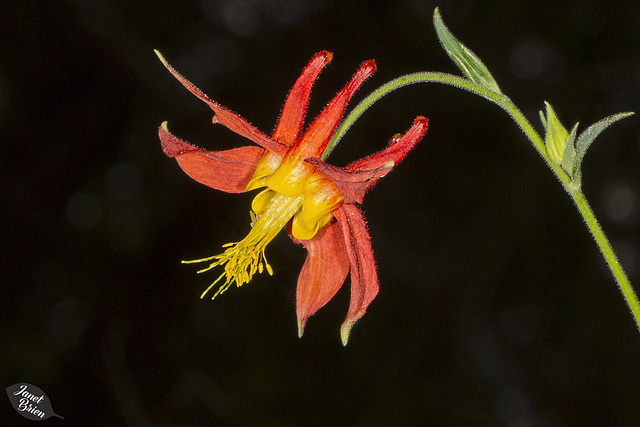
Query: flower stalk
{"type": "Point", "coordinates": [556, 149]}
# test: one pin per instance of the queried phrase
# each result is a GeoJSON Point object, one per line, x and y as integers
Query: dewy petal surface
{"type": "Point", "coordinates": [364, 276]}
{"type": "Point", "coordinates": [323, 272]}
{"type": "Point", "coordinates": [228, 171]}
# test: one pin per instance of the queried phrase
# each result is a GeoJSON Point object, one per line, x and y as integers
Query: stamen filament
{"type": "Point", "coordinates": [243, 259]}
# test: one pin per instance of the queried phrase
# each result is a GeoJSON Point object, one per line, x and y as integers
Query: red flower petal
{"type": "Point", "coordinates": [228, 118]}
{"type": "Point", "coordinates": [397, 149]}
{"type": "Point", "coordinates": [295, 107]}
{"type": "Point", "coordinates": [228, 170]}
{"type": "Point", "coordinates": [364, 276]}
{"type": "Point", "coordinates": [317, 135]}
{"type": "Point", "coordinates": [359, 177]}
{"type": "Point", "coordinates": [353, 184]}
{"type": "Point", "coordinates": [323, 272]}
{"type": "Point", "coordinates": [242, 127]}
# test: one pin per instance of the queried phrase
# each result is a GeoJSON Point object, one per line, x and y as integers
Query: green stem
{"type": "Point", "coordinates": [624, 285]}
{"type": "Point", "coordinates": [571, 186]}
{"type": "Point", "coordinates": [442, 78]}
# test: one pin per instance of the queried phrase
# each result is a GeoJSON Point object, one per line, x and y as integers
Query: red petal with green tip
{"type": "Point", "coordinates": [228, 170]}
{"type": "Point", "coordinates": [364, 276]}
{"type": "Point", "coordinates": [323, 272]}
{"type": "Point", "coordinates": [228, 118]}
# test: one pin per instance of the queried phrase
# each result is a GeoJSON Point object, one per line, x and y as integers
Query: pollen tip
{"type": "Point", "coordinates": [344, 336]}
{"type": "Point", "coordinates": [206, 291]}
{"type": "Point", "coordinates": [328, 56]}
{"type": "Point", "coordinates": [369, 66]}
{"type": "Point", "coordinates": [163, 59]}
{"type": "Point", "coordinates": [345, 330]}
{"type": "Point", "coordinates": [301, 325]}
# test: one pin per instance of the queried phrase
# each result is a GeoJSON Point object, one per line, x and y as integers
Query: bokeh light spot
{"type": "Point", "coordinates": [532, 59]}
{"type": "Point", "coordinates": [620, 203]}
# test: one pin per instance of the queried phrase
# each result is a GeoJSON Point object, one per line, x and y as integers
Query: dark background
{"type": "Point", "coordinates": [495, 307]}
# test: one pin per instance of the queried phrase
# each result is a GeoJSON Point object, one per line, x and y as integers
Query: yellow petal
{"type": "Point", "coordinates": [321, 197]}
{"type": "Point", "coordinates": [290, 178]}
{"type": "Point", "coordinates": [300, 230]}
{"type": "Point", "coordinates": [261, 201]}
{"type": "Point", "coordinates": [267, 164]}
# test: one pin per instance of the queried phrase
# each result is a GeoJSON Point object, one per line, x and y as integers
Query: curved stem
{"type": "Point", "coordinates": [449, 79]}
{"type": "Point", "coordinates": [570, 185]}
{"type": "Point", "coordinates": [619, 275]}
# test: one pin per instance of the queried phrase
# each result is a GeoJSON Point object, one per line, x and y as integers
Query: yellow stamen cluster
{"type": "Point", "coordinates": [294, 190]}
{"type": "Point", "coordinates": [243, 259]}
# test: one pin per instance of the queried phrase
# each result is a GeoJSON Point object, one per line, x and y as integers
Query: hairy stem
{"type": "Point", "coordinates": [571, 186]}
{"type": "Point", "coordinates": [607, 252]}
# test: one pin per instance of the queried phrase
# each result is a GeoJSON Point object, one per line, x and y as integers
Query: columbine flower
{"type": "Point", "coordinates": [316, 202]}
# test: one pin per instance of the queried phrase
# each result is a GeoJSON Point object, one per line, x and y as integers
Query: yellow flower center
{"type": "Point", "coordinates": [294, 191]}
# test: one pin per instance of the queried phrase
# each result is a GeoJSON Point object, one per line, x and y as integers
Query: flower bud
{"type": "Point", "coordinates": [556, 135]}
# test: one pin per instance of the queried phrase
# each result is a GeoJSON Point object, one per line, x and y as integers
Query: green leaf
{"type": "Point", "coordinates": [470, 65]}
{"type": "Point", "coordinates": [586, 138]}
